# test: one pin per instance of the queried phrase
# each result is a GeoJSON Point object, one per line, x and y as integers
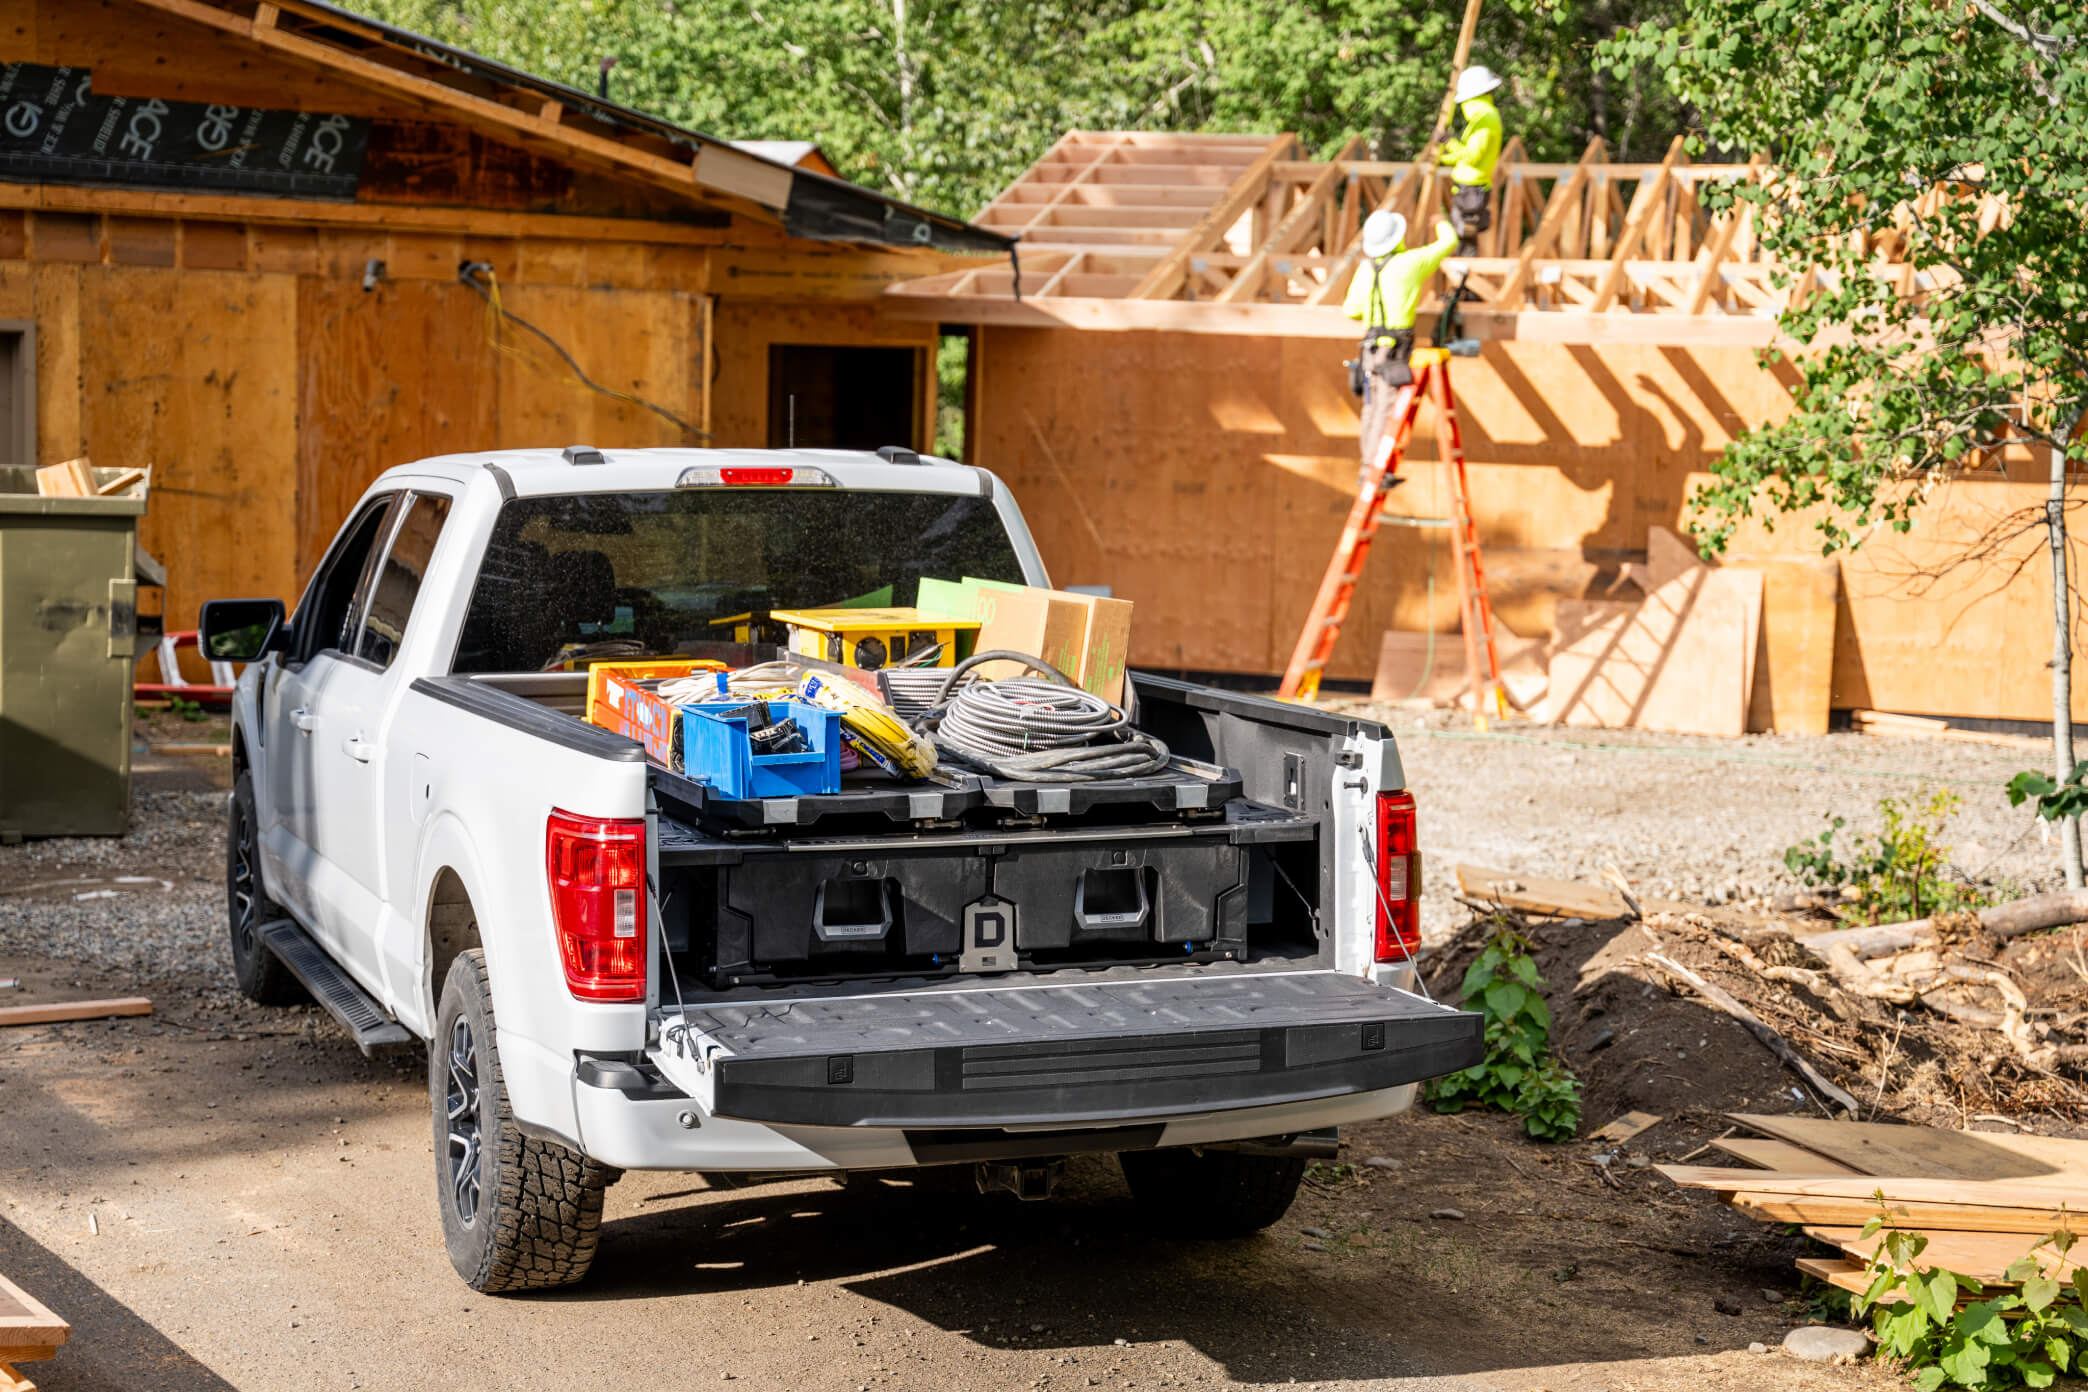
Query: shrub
{"type": "Point", "coordinates": [1519, 1074]}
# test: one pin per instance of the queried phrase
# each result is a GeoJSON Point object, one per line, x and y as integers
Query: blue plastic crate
{"type": "Point", "coordinates": [715, 750]}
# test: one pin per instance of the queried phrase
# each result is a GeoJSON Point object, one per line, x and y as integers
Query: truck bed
{"type": "Point", "coordinates": [1217, 860]}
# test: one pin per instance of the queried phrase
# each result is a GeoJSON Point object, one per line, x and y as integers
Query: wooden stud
{"type": "Point", "coordinates": [72, 479]}
{"type": "Point", "coordinates": [1644, 203]}
{"type": "Point", "coordinates": [1167, 277]}
{"type": "Point", "coordinates": [1247, 284]}
{"type": "Point", "coordinates": [61, 1011]}
{"type": "Point", "coordinates": [1565, 200]}
{"type": "Point", "coordinates": [1721, 247]}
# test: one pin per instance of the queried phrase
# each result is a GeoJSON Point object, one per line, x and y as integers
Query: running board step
{"type": "Point", "coordinates": [372, 1030]}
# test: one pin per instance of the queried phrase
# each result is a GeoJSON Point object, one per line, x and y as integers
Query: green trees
{"type": "Point", "coordinates": [1892, 120]}
{"type": "Point", "coordinates": [943, 102]}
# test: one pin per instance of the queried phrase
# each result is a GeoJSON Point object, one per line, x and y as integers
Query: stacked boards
{"type": "Point", "coordinates": [1713, 650]}
{"type": "Point", "coordinates": [1984, 1200]}
{"type": "Point", "coordinates": [28, 1334]}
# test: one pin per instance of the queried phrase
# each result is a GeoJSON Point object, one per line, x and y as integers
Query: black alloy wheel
{"type": "Point", "coordinates": [261, 975]}
{"type": "Point", "coordinates": [466, 1124]}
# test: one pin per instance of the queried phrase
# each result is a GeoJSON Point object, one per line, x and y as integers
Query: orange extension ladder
{"type": "Point", "coordinates": [1330, 606]}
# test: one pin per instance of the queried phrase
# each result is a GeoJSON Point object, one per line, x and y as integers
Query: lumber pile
{"type": "Point", "coordinates": [75, 479]}
{"type": "Point", "coordinates": [1708, 650]}
{"type": "Point", "coordinates": [29, 1333]}
{"type": "Point", "coordinates": [1870, 722]}
{"type": "Point", "coordinates": [1984, 1200]}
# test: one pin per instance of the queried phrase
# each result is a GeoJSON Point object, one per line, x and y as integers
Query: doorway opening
{"type": "Point", "coordinates": [827, 397]}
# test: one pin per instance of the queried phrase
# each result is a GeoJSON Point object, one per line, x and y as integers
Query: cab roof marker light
{"type": "Point", "coordinates": [729, 476]}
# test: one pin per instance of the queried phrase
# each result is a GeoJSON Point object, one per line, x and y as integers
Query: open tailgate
{"type": "Point", "coordinates": [1040, 1054]}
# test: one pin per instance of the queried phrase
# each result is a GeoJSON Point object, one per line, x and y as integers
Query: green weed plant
{"type": "Point", "coordinates": [2027, 1337]}
{"type": "Point", "coordinates": [1901, 873]}
{"type": "Point", "coordinates": [1520, 1074]}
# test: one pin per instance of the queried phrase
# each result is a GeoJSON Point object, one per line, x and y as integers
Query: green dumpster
{"type": "Point", "coordinates": [68, 637]}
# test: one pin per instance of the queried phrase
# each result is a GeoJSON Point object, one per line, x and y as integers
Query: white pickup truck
{"type": "Point", "coordinates": [614, 968]}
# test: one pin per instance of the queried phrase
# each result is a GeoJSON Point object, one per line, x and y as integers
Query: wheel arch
{"type": "Point", "coordinates": [452, 930]}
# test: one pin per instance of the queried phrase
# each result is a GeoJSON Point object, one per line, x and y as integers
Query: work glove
{"type": "Point", "coordinates": [1440, 134]}
{"type": "Point", "coordinates": [1444, 229]}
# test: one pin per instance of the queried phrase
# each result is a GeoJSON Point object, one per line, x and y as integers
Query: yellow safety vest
{"type": "Point", "coordinates": [1386, 293]}
{"type": "Point", "coordinates": [1473, 155]}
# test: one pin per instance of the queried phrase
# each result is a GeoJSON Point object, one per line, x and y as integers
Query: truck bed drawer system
{"type": "Point", "coordinates": [744, 912]}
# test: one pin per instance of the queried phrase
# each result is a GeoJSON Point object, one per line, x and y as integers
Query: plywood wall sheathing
{"type": "Point", "coordinates": [1206, 478]}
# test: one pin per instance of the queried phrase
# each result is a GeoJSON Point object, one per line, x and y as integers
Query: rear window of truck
{"type": "Point", "coordinates": [650, 574]}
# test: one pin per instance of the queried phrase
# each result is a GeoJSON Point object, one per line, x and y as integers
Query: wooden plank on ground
{"type": "Point", "coordinates": [1559, 898]}
{"type": "Point", "coordinates": [1778, 1155]}
{"type": "Point", "coordinates": [2047, 1196]}
{"type": "Point", "coordinates": [1625, 1127]}
{"type": "Point", "coordinates": [57, 1012]}
{"type": "Point", "coordinates": [1985, 1257]}
{"type": "Point", "coordinates": [26, 1323]}
{"type": "Point", "coordinates": [13, 1381]}
{"type": "Point", "coordinates": [1924, 1152]}
{"type": "Point", "coordinates": [1835, 1272]}
{"type": "Point", "coordinates": [1785, 1208]}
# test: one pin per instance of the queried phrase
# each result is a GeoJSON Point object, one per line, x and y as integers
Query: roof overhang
{"type": "Point", "coordinates": [566, 122]}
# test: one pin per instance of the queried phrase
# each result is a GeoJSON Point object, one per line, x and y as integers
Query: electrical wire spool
{"type": "Point", "coordinates": [1041, 729]}
{"type": "Point", "coordinates": [871, 726]}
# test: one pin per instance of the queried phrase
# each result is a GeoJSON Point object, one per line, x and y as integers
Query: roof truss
{"type": "Point", "coordinates": [1220, 234]}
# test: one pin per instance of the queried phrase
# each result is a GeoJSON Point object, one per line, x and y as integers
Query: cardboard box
{"type": "Point", "coordinates": [1105, 645]}
{"type": "Point", "coordinates": [1038, 623]}
{"type": "Point", "coordinates": [1091, 645]}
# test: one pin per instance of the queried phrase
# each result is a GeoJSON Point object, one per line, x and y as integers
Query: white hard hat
{"type": "Point", "coordinates": [1476, 81]}
{"type": "Point", "coordinates": [1382, 233]}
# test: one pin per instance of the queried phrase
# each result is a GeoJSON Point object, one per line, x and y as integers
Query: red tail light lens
{"type": "Point", "coordinates": [1399, 879]}
{"type": "Point", "coordinates": [597, 874]}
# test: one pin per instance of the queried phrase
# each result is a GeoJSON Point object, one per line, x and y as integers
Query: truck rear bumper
{"type": "Point", "coordinates": [654, 1134]}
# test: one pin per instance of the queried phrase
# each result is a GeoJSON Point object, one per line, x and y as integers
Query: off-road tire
{"type": "Point", "coordinates": [262, 977]}
{"type": "Point", "coordinates": [1211, 1193]}
{"type": "Point", "coordinates": [536, 1207]}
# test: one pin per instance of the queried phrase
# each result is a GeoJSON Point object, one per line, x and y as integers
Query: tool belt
{"type": "Point", "coordinates": [1469, 209]}
{"type": "Point", "coordinates": [1383, 359]}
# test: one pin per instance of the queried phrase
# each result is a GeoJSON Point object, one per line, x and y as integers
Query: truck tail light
{"type": "Point", "coordinates": [597, 873]}
{"type": "Point", "coordinates": [1398, 879]}
{"type": "Point", "coordinates": [730, 476]}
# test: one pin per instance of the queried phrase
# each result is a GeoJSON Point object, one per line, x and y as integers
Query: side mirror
{"type": "Point", "coordinates": [240, 630]}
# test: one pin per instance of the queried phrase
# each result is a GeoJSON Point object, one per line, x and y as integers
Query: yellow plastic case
{"type": "Point", "coordinates": [872, 638]}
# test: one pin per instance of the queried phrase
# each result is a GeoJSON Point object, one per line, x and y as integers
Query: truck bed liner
{"type": "Point", "coordinates": [1048, 1054]}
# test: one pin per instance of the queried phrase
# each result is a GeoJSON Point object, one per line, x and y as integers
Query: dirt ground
{"type": "Point", "coordinates": [222, 1196]}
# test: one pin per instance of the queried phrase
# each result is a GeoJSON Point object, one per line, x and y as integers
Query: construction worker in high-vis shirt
{"type": "Point", "coordinates": [1471, 156]}
{"type": "Point", "coordinates": [1385, 295]}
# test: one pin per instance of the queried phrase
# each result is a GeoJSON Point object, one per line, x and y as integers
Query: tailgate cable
{"type": "Point", "coordinates": [677, 1033]}
{"type": "Point", "coordinates": [1370, 852]}
{"type": "Point", "coordinates": [1311, 910]}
